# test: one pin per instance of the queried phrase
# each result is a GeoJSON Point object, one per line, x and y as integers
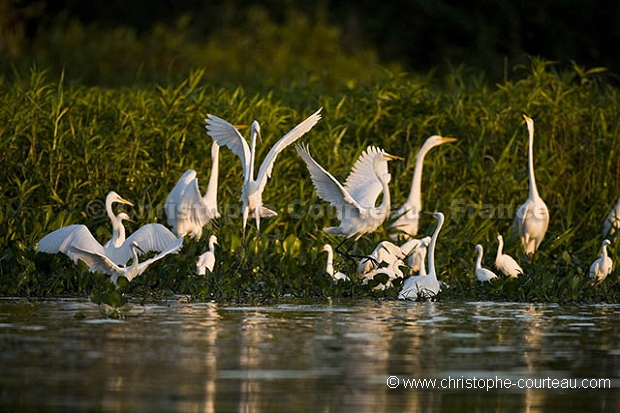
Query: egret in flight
{"type": "Point", "coordinates": [424, 286]}
{"type": "Point", "coordinates": [482, 274]}
{"type": "Point", "coordinates": [408, 215]}
{"type": "Point", "coordinates": [225, 134]}
{"type": "Point", "coordinates": [207, 260]}
{"type": "Point", "coordinates": [533, 216]}
{"type": "Point", "coordinates": [355, 201]}
{"type": "Point", "coordinates": [151, 237]}
{"type": "Point", "coordinates": [187, 210]}
{"type": "Point", "coordinates": [602, 266]}
{"type": "Point", "coordinates": [612, 222]}
{"type": "Point", "coordinates": [329, 268]}
{"type": "Point", "coordinates": [99, 262]}
{"type": "Point", "coordinates": [504, 262]}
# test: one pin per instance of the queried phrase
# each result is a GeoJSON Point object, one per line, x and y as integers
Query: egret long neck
{"type": "Point", "coordinates": [500, 247]}
{"type": "Point", "coordinates": [211, 194]}
{"type": "Point", "coordinates": [479, 259]}
{"type": "Point", "coordinates": [415, 195]}
{"type": "Point", "coordinates": [253, 135]}
{"type": "Point", "coordinates": [530, 162]}
{"type": "Point", "coordinates": [431, 249]}
{"type": "Point", "coordinates": [386, 201]}
{"type": "Point", "coordinates": [329, 268]}
{"type": "Point", "coordinates": [118, 232]}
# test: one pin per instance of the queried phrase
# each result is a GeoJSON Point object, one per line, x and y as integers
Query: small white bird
{"type": "Point", "coordinates": [187, 211]}
{"type": "Point", "coordinates": [225, 134]}
{"type": "Point", "coordinates": [329, 268]}
{"type": "Point", "coordinates": [384, 252]}
{"type": "Point", "coordinates": [602, 266]}
{"type": "Point", "coordinates": [408, 215]}
{"type": "Point", "coordinates": [207, 260]}
{"type": "Point", "coordinates": [392, 271]}
{"type": "Point", "coordinates": [151, 237]}
{"type": "Point", "coordinates": [424, 286]}
{"type": "Point", "coordinates": [612, 222]}
{"type": "Point", "coordinates": [355, 201]}
{"type": "Point", "coordinates": [482, 273]}
{"type": "Point", "coordinates": [416, 250]}
{"type": "Point", "coordinates": [533, 216]}
{"type": "Point", "coordinates": [101, 263]}
{"type": "Point", "coordinates": [504, 262]}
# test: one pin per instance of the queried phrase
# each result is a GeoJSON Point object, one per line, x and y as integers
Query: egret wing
{"type": "Point", "coordinates": [173, 248]}
{"type": "Point", "coordinates": [327, 187]}
{"type": "Point", "coordinates": [225, 134]}
{"type": "Point", "coordinates": [363, 184]}
{"type": "Point", "coordinates": [151, 237]}
{"type": "Point", "coordinates": [297, 132]}
{"type": "Point", "coordinates": [96, 261]}
{"type": "Point", "coordinates": [175, 198]}
{"type": "Point", "coordinates": [63, 239]}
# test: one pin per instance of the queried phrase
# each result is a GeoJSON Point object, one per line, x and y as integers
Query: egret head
{"type": "Point", "coordinates": [124, 217]}
{"type": "Point", "coordinates": [606, 242]}
{"type": "Point", "coordinates": [114, 197]}
{"type": "Point", "coordinates": [437, 140]}
{"type": "Point", "coordinates": [326, 248]}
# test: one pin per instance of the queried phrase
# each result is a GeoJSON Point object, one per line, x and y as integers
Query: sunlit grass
{"type": "Point", "coordinates": [64, 147]}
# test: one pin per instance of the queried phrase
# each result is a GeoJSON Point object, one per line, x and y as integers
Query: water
{"type": "Point", "coordinates": [64, 355]}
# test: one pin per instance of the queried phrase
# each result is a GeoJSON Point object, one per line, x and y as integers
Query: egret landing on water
{"type": "Point", "coordinates": [601, 267]}
{"type": "Point", "coordinates": [355, 201]}
{"type": "Point", "coordinates": [151, 237]}
{"type": "Point", "coordinates": [408, 215]}
{"type": "Point", "coordinates": [225, 134]}
{"type": "Point", "coordinates": [187, 211]}
{"type": "Point", "coordinates": [424, 286]}
{"type": "Point", "coordinates": [532, 218]}
{"type": "Point", "coordinates": [207, 260]}
{"type": "Point", "coordinates": [329, 267]}
{"type": "Point", "coordinates": [505, 263]}
{"type": "Point", "coordinates": [482, 274]}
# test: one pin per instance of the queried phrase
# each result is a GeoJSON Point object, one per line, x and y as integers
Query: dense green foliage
{"type": "Point", "coordinates": [63, 147]}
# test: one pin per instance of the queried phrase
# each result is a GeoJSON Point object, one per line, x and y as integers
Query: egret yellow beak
{"type": "Point", "coordinates": [448, 139]}
{"type": "Point", "coordinates": [239, 127]}
{"type": "Point", "coordinates": [392, 157]}
{"type": "Point", "coordinates": [527, 118]}
{"type": "Point", "coordinates": [123, 201]}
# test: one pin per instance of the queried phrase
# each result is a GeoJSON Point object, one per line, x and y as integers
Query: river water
{"type": "Point", "coordinates": [357, 356]}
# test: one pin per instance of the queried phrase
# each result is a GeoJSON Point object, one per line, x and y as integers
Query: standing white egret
{"type": "Point", "coordinates": [612, 222]}
{"type": "Point", "coordinates": [187, 211]}
{"type": "Point", "coordinates": [424, 286]}
{"type": "Point", "coordinates": [392, 270]}
{"type": "Point", "coordinates": [533, 216]}
{"type": "Point", "coordinates": [355, 201]}
{"type": "Point", "coordinates": [408, 215]}
{"type": "Point", "coordinates": [482, 274]}
{"type": "Point", "coordinates": [504, 262]}
{"type": "Point", "coordinates": [225, 134]}
{"type": "Point", "coordinates": [151, 237]}
{"type": "Point", "coordinates": [602, 266]}
{"type": "Point", "coordinates": [384, 252]}
{"type": "Point", "coordinates": [207, 260]}
{"type": "Point", "coordinates": [329, 267]}
{"type": "Point", "coordinates": [101, 263]}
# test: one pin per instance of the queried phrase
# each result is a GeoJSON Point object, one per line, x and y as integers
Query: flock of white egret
{"type": "Point", "coordinates": [188, 212]}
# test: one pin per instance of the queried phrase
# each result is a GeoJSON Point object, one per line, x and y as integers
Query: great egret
{"type": "Point", "coordinates": [384, 252]}
{"type": "Point", "coordinates": [602, 266]}
{"type": "Point", "coordinates": [407, 216]}
{"type": "Point", "coordinates": [355, 201]}
{"type": "Point", "coordinates": [186, 210]}
{"type": "Point", "coordinates": [329, 268]}
{"type": "Point", "coordinates": [482, 274]}
{"type": "Point", "coordinates": [417, 255]}
{"type": "Point", "coordinates": [612, 222]}
{"type": "Point", "coordinates": [101, 263]}
{"type": "Point", "coordinates": [225, 134]}
{"type": "Point", "coordinates": [392, 271]}
{"type": "Point", "coordinates": [207, 260]}
{"type": "Point", "coordinates": [152, 237]}
{"type": "Point", "coordinates": [504, 262]}
{"type": "Point", "coordinates": [533, 216]}
{"type": "Point", "coordinates": [424, 286]}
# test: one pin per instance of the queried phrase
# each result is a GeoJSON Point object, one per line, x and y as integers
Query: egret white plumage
{"type": "Point", "coordinates": [533, 216]}
{"type": "Point", "coordinates": [482, 274]}
{"type": "Point", "coordinates": [602, 266]}
{"type": "Point", "coordinates": [206, 261]}
{"type": "Point", "coordinates": [384, 252]}
{"type": "Point", "coordinates": [225, 134]}
{"type": "Point", "coordinates": [504, 262]}
{"type": "Point", "coordinates": [329, 267]}
{"type": "Point", "coordinates": [355, 201]}
{"type": "Point", "coordinates": [392, 270]}
{"type": "Point", "coordinates": [417, 255]}
{"type": "Point", "coordinates": [424, 286]}
{"type": "Point", "coordinates": [152, 237]}
{"type": "Point", "coordinates": [99, 262]}
{"type": "Point", "coordinates": [408, 214]}
{"type": "Point", "coordinates": [187, 211]}
{"type": "Point", "coordinates": [612, 222]}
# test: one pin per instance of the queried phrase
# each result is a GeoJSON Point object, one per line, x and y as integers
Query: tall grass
{"type": "Point", "coordinates": [64, 147]}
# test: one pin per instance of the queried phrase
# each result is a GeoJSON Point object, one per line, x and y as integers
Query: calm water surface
{"type": "Point", "coordinates": [64, 355]}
